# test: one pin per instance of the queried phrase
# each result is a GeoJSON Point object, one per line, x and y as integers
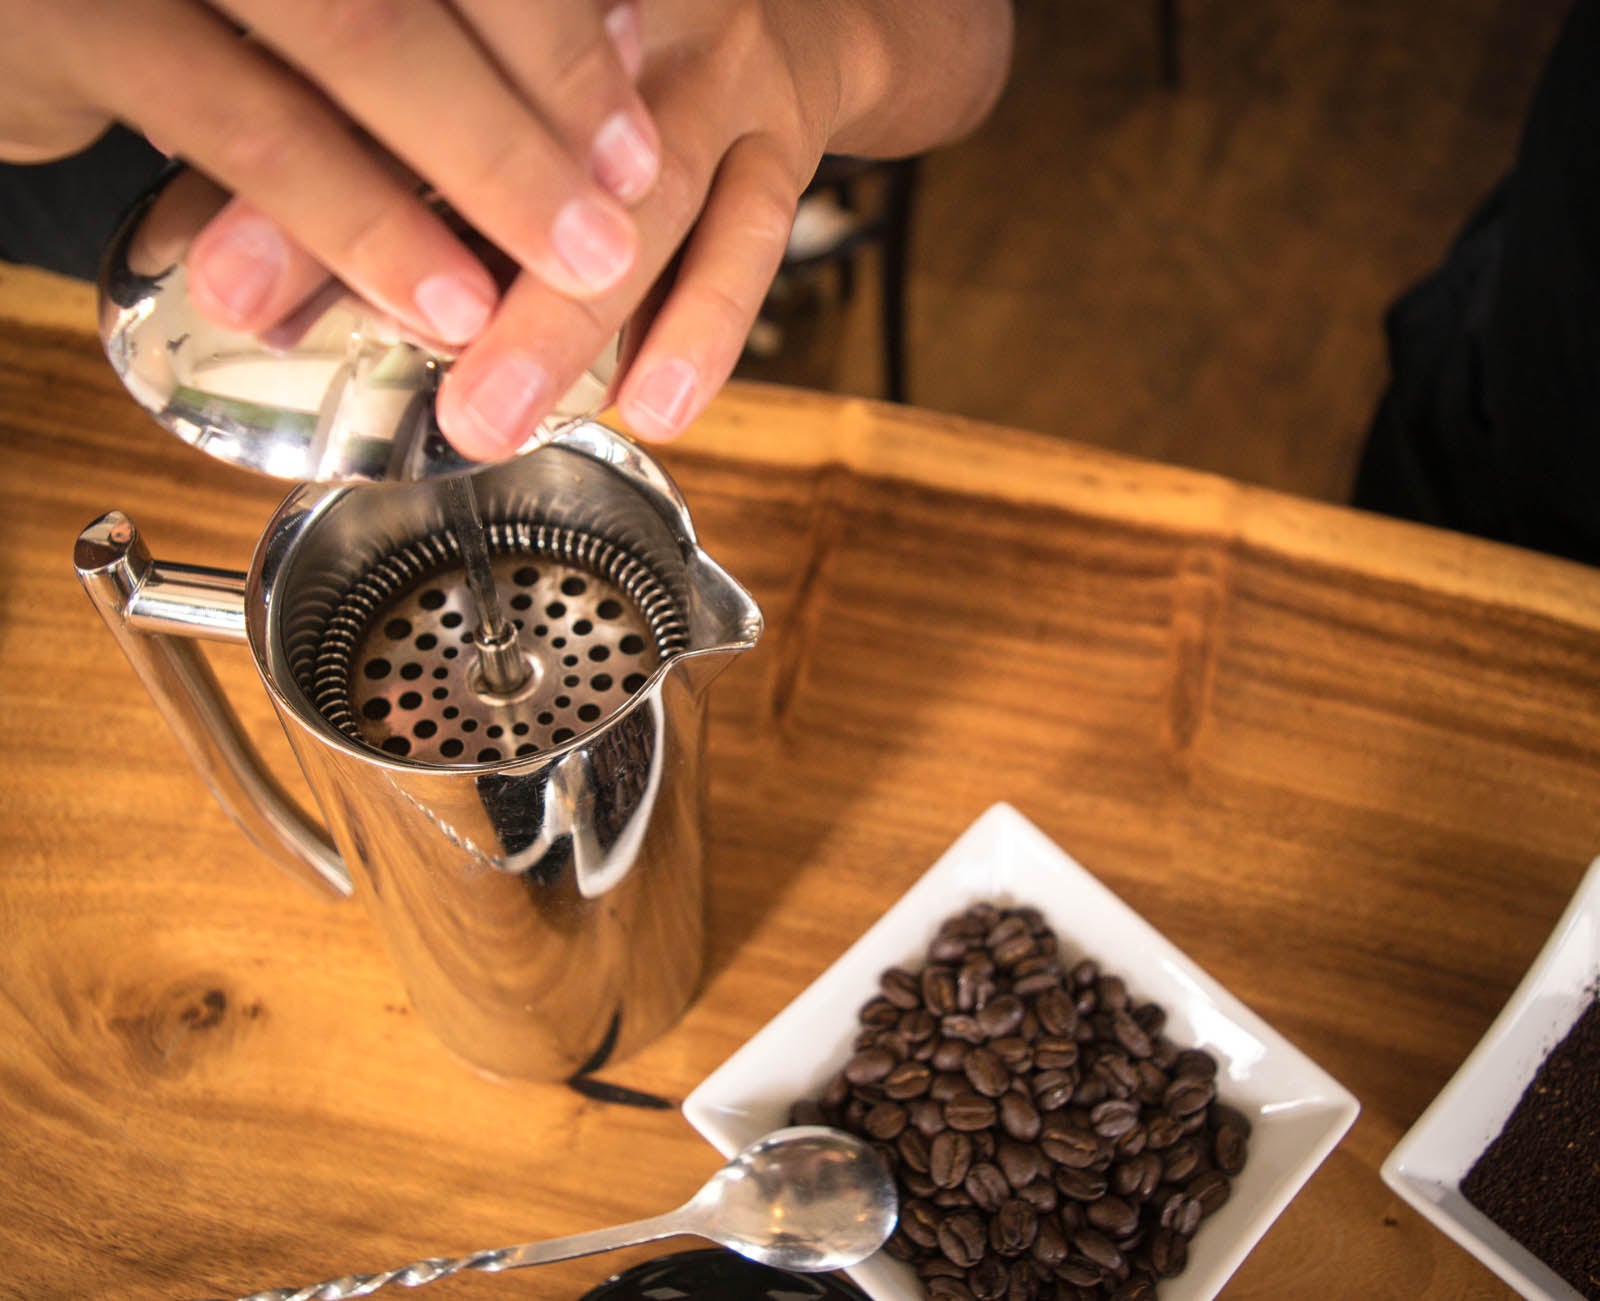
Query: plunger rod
{"type": "Point", "coordinates": [501, 665]}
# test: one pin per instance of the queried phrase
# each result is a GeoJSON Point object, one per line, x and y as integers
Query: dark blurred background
{"type": "Point", "coordinates": [1195, 272]}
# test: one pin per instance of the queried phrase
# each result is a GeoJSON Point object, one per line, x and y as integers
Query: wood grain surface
{"type": "Point", "coordinates": [1350, 766]}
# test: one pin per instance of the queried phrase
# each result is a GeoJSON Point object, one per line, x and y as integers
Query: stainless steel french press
{"type": "Point", "coordinates": [531, 848]}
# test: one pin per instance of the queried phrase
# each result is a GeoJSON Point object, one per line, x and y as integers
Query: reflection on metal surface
{"type": "Point", "coordinates": [341, 392]}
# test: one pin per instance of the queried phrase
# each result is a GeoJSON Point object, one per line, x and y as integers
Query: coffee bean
{"type": "Point", "coordinates": [986, 1073]}
{"type": "Point", "coordinates": [918, 1025]}
{"type": "Point", "coordinates": [987, 1186]}
{"type": "Point", "coordinates": [1116, 1117]}
{"type": "Point", "coordinates": [1034, 975]}
{"type": "Point", "coordinates": [1056, 1012]}
{"type": "Point", "coordinates": [946, 1084]}
{"type": "Point", "coordinates": [1021, 1163]}
{"type": "Point", "coordinates": [1053, 1090]}
{"type": "Point", "coordinates": [1014, 950]}
{"type": "Point", "coordinates": [1019, 1117]}
{"type": "Point", "coordinates": [1210, 1189]}
{"type": "Point", "coordinates": [920, 1222]}
{"type": "Point", "coordinates": [1022, 1283]}
{"type": "Point", "coordinates": [952, 1199]}
{"type": "Point", "coordinates": [1074, 1148]}
{"type": "Point", "coordinates": [1113, 1217]}
{"type": "Point", "coordinates": [1131, 1035]}
{"type": "Point", "coordinates": [1080, 1185]}
{"type": "Point", "coordinates": [917, 1182]}
{"type": "Point", "coordinates": [1085, 973]}
{"type": "Point", "coordinates": [1229, 1148]}
{"type": "Point", "coordinates": [1136, 1177]}
{"type": "Point", "coordinates": [869, 1066]}
{"type": "Point", "coordinates": [1041, 1194]}
{"type": "Point", "coordinates": [932, 1267]}
{"type": "Point", "coordinates": [1152, 1084]}
{"type": "Point", "coordinates": [1055, 1053]}
{"type": "Point", "coordinates": [901, 988]}
{"type": "Point", "coordinates": [1091, 1090]}
{"type": "Point", "coordinates": [1013, 1228]}
{"type": "Point", "coordinates": [807, 1112]}
{"type": "Point", "coordinates": [1162, 1131]}
{"type": "Point", "coordinates": [968, 1111]}
{"type": "Point", "coordinates": [1135, 1289]}
{"type": "Point", "coordinates": [949, 1289]}
{"type": "Point", "coordinates": [1180, 1161]}
{"type": "Point", "coordinates": [1168, 1253]}
{"type": "Point", "coordinates": [963, 1026]}
{"type": "Point", "coordinates": [880, 1013]}
{"type": "Point", "coordinates": [913, 1149]}
{"type": "Point", "coordinates": [1117, 1073]}
{"type": "Point", "coordinates": [1098, 1248]}
{"type": "Point", "coordinates": [885, 1120]}
{"type": "Point", "coordinates": [1001, 1016]}
{"type": "Point", "coordinates": [900, 1247]}
{"type": "Point", "coordinates": [962, 1239]}
{"type": "Point", "coordinates": [927, 1116]}
{"type": "Point", "coordinates": [1017, 1054]}
{"type": "Point", "coordinates": [1009, 928]}
{"type": "Point", "coordinates": [1080, 1272]}
{"type": "Point", "coordinates": [1181, 1214]}
{"type": "Point", "coordinates": [948, 948]}
{"type": "Point", "coordinates": [948, 1055]}
{"type": "Point", "coordinates": [907, 1080]}
{"type": "Point", "coordinates": [1192, 1061]}
{"type": "Point", "coordinates": [989, 1279]}
{"type": "Point", "coordinates": [939, 990]}
{"type": "Point", "coordinates": [1187, 1095]}
{"type": "Point", "coordinates": [949, 1158]}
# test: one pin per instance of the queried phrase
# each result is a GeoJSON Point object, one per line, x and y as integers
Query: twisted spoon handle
{"type": "Point", "coordinates": [490, 1262]}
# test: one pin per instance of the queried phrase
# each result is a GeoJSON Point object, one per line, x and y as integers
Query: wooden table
{"type": "Point", "coordinates": [1351, 766]}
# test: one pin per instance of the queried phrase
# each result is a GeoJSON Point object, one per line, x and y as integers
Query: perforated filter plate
{"type": "Point", "coordinates": [397, 665]}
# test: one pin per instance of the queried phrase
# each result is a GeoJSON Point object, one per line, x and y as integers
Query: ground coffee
{"type": "Point", "coordinates": [1049, 1141]}
{"type": "Point", "coordinates": [1540, 1178]}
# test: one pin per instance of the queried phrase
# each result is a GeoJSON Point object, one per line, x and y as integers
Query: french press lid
{"type": "Point", "coordinates": [340, 392]}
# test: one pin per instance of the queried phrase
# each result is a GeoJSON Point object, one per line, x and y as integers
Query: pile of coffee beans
{"type": "Point", "coordinates": [1048, 1140]}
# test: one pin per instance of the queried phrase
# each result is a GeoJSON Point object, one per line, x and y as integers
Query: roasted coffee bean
{"type": "Point", "coordinates": [963, 1026]}
{"type": "Point", "coordinates": [917, 1182]}
{"type": "Point", "coordinates": [1014, 950]}
{"type": "Point", "coordinates": [901, 988]}
{"type": "Point", "coordinates": [837, 1092]}
{"type": "Point", "coordinates": [900, 1247]}
{"type": "Point", "coordinates": [907, 1080]}
{"type": "Point", "coordinates": [1114, 1117]}
{"type": "Point", "coordinates": [1074, 1148]}
{"type": "Point", "coordinates": [1017, 1054]}
{"type": "Point", "coordinates": [932, 1267]}
{"type": "Point", "coordinates": [1168, 1253]}
{"type": "Point", "coordinates": [1162, 1131]}
{"type": "Point", "coordinates": [1187, 1095]}
{"type": "Point", "coordinates": [885, 1121]}
{"type": "Point", "coordinates": [949, 1158]}
{"type": "Point", "coordinates": [949, 1289]}
{"type": "Point", "coordinates": [963, 1239]}
{"type": "Point", "coordinates": [946, 1084]}
{"type": "Point", "coordinates": [927, 1116]}
{"type": "Point", "coordinates": [1050, 1243]}
{"type": "Point", "coordinates": [1053, 1090]}
{"type": "Point", "coordinates": [869, 1066]}
{"type": "Point", "coordinates": [1135, 1289]}
{"type": "Point", "coordinates": [1229, 1148]}
{"type": "Point", "coordinates": [917, 1025]}
{"type": "Point", "coordinates": [1113, 1217]}
{"type": "Point", "coordinates": [1210, 1189]}
{"type": "Point", "coordinates": [1054, 1052]}
{"type": "Point", "coordinates": [1019, 1117]}
{"type": "Point", "coordinates": [880, 1013]}
{"type": "Point", "coordinates": [949, 948]}
{"type": "Point", "coordinates": [1098, 1248]}
{"type": "Point", "coordinates": [913, 1149]}
{"type": "Point", "coordinates": [1001, 1015]}
{"type": "Point", "coordinates": [1090, 1091]}
{"type": "Point", "coordinates": [1117, 1073]}
{"type": "Point", "coordinates": [987, 1185]}
{"type": "Point", "coordinates": [1045, 977]}
{"type": "Point", "coordinates": [919, 1221]}
{"type": "Point", "coordinates": [1180, 1161]}
{"type": "Point", "coordinates": [1131, 1035]}
{"type": "Point", "coordinates": [989, 1279]}
{"type": "Point", "coordinates": [1022, 1283]}
{"type": "Point", "coordinates": [1013, 1228]}
{"type": "Point", "coordinates": [1056, 1012]}
{"type": "Point", "coordinates": [1041, 1194]}
{"type": "Point", "coordinates": [983, 1145]}
{"type": "Point", "coordinates": [1080, 1271]}
{"type": "Point", "coordinates": [1085, 973]}
{"type": "Point", "coordinates": [968, 1111]}
{"type": "Point", "coordinates": [986, 1073]}
{"type": "Point", "coordinates": [1137, 1177]}
{"type": "Point", "coordinates": [939, 990]}
{"type": "Point", "coordinates": [1181, 1214]}
{"type": "Point", "coordinates": [1152, 1084]}
{"type": "Point", "coordinates": [952, 1199]}
{"type": "Point", "coordinates": [1193, 1061]}
{"type": "Point", "coordinates": [1008, 928]}
{"type": "Point", "coordinates": [1021, 1163]}
{"type": "Point", "coordinates": [867, 1038]}
{"type": "Point", "coordinates": [1080, 1185]}
{"type": "Point", "coordinates": [1111, 993]}
{"type": "Point", "coordinates": [948, 1055]}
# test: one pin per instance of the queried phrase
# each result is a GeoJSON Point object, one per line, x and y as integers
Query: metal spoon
{"type": "Point", "coordinates": [805, 1199]}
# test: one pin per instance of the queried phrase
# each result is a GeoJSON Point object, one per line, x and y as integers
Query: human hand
{"type": "Point", "coordinates": [526, 118]}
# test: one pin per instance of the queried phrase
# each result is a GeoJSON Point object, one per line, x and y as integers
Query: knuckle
{"type": "Point", "coordinates": [263, 147]}
{"type": "Point", "coordinates": [356, 27]}
{"type": "Point", "coordinates": [587, 74]}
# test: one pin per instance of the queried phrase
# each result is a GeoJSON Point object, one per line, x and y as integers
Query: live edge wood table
{"type": "Point", "coordinates": [1351, 766]}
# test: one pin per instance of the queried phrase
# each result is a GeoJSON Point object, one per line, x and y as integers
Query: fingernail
{"type": "Point", "coordinates": [455, 310]}
{"type": "Point", "coordinates": [624, 158]}
{"type": "Point", "coordinates": [664, 398]}
{"type": "Point", "coordinates": [622, 25]}
{"type": "Point", "coordinates": [242, 265]}
{"type": "Point", "coordinates": [594, 242]}
{"type": "Point", "coordinates": [500, 408]}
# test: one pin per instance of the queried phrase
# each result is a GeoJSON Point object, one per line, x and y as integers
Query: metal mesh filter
{"type": "Point", "coordinates": [396, 667]}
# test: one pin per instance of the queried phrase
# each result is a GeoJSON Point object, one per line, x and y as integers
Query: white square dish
{"type": "Point", "coordinates": [1428, 1164]}
{"type": "Point", "coordinates": [1297, 1111]}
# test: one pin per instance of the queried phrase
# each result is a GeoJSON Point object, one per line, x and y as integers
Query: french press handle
{"type": "Point", "coordinates": [155, 611]}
